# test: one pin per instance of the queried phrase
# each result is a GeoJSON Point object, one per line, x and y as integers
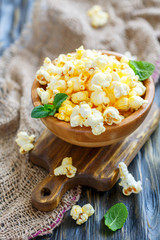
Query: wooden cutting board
{"type": "Point", "coordinates": [96, 167]}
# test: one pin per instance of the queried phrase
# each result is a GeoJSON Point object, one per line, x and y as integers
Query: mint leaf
{"type": "Point", "coordinates": [52, 113]}
{"type": "Point", "coordinates": [116, 216]}
{"type": "Point", "coordinates": [39, 112]}
{"type": "Point", "coordinates": [48, 109]}
{"type": "Point", "coordinates": [59, 99]}
{"type": "Point", "coordinates": [143, 69]}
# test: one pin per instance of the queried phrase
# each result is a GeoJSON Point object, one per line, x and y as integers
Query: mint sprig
{"type": "Point", "coordinates": [46, 110]}
{"type": "Point", "coordinates": [116, 216]}
{"type": "Point", "coordinates": [143, 69]}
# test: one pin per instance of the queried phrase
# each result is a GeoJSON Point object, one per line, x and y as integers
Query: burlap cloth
{"type": "Point", "coordinates": [57, 27]}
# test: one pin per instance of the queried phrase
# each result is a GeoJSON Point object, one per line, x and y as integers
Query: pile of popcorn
{"type": "Point", "coordinates": [101, 89]}
{"type": "Point", "coordinates": [81, 214]}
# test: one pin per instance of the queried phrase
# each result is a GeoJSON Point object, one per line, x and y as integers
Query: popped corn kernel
{"type": "Point", "coordinates": [111, 115]}
{"type": "Point", "coordinates": [98, 129]}
{"type": "Point", "coordinates": [88, 209]}
{"type": "Point", "coordinates": [66, 168]}
{"type": "Point", "coordinates": [138, 89]}
{"type": "Point", "coordinates": [127, 181]}
{"type": "Point", "coordinates": [75, 211]}
{"type": "Point", "coordinates": [120, 89]}
{"type": "Point", "coordinates": [59, 116]}
{"type": "Point", "coordinates": [101, 79]}
{"type": "Point", "coordinates": [67, 161]}
{"type": "Point", "coordinates": [79, 97]}
{"type": "Point", "coordinates": [99, 97]}
{"type": "Point", "coordinates": [122, 104]}
{"type": "Point", "coordinates": [25, 142]}
{"type": "Point", "coordinates": [44, 95]}
{"type": "Point", "coordinates": [61, 170]}
{"type": "Point", "coordinates": [85, 110]}
{"type": "Point", "coordinates": [97, 16]}
{"type": "Point", "coordinates": [135, 102]}
{"type": "Point", "coordinates": [82, 218]}
{"type": "Point", "coordinates": [81, 214]}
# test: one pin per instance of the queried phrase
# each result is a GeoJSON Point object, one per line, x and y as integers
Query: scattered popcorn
{"type": "Point", "coordinates": [75, 211]}
{"type": "Point", "coordinates": [82, 218]}
{"type": "Point", "coordinates": [66, 168]}
{"type": "Point", "coordinates": [98, 87]}
{"type": "Point", "coordinates": [88, 209]}
{"type": "Point", "coordinates": [97, 16]}
{"type": "Point", "coordinates": [25, 142]}
{"type": "Point", "coordinates": [81, 214]}
{"type": "Point", "coordinates": [127, 181]}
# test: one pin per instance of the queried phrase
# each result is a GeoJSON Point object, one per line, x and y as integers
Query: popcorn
{"type": "Point", "coordinates": [88, 209]}
{"type": "Point", "coordinates": [138, 89]}
{"type": "Point", "coordinates": [98, 17]}
{"type": "Point", "coordinates": [85, 116]}
{"type": "Point", "coordinates": [120, 89]}
{"type": "Point", "coordinates": [85, 110]}
{"type": "Point", "coordinates": [111, 115]}
{"type": "Point", "coordinates": [98, 97]}
{"type": "Point", "coordinates": [66, 168]}
{"type": "Point", "coordinates": [82, 218]}
{"type": "Point", "coordinates": [25, 142]}
{"type": "Point", "coordinates": [97, 85]}
{"type": "Point", "coordinates": [79, 97]}
{"type": "Point", "coordinates": [101, 79]}
{"type": "Point", "coordinates": [44, 95]}
{"type": "Point", "coordinates": [75, 211]}
{"type": "Point", "coordinates": [135, 102]}
{"type": "Point", "coordinates": [122, 104]}
{"type": "Point", "coordinates": [81, 214]}
{"type": "Point", "coordinates": [127, 181]}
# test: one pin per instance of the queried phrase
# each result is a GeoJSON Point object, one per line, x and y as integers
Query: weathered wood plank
{"type": "Point", "coordinates": [96, 167]}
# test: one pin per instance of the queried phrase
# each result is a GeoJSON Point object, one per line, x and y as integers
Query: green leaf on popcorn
{"type": "Point", "coordinates": [59, 99]}
{"type": "Point", "coordinates": [46, 110]}
{"type": "Point", "coordinates": [116, 216]}
{"type": "Point", "coordinates": [143, 69]}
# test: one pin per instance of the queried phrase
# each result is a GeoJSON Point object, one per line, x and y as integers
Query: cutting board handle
{"type": "Point", "coordinates": [49, 192]}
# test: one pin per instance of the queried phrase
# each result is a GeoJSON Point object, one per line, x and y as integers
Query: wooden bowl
{"type": "Point", "coordinates": [83, 136]}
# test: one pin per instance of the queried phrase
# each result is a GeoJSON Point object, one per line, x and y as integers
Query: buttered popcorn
{"type": "Point", "coordinates": [101, 89]}
{"type": "Point", "coordinates": [127, 181]}
{"type": "Point", "coordinates": [25, 142]}
{"type": "Point", "coordinates": [81, 214]}
{"type": "Point", "coordinates": [66, 168]}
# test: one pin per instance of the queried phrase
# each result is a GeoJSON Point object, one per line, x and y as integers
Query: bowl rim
{"type": "Point", "coordinates": [149, 95]}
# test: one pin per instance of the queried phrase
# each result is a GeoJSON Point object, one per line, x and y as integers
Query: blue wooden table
{"type": "Point", "coordinates": [143, 222]}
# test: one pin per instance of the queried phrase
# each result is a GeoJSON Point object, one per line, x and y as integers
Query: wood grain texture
{"type": "Point", "coordinates": [96, 167]}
